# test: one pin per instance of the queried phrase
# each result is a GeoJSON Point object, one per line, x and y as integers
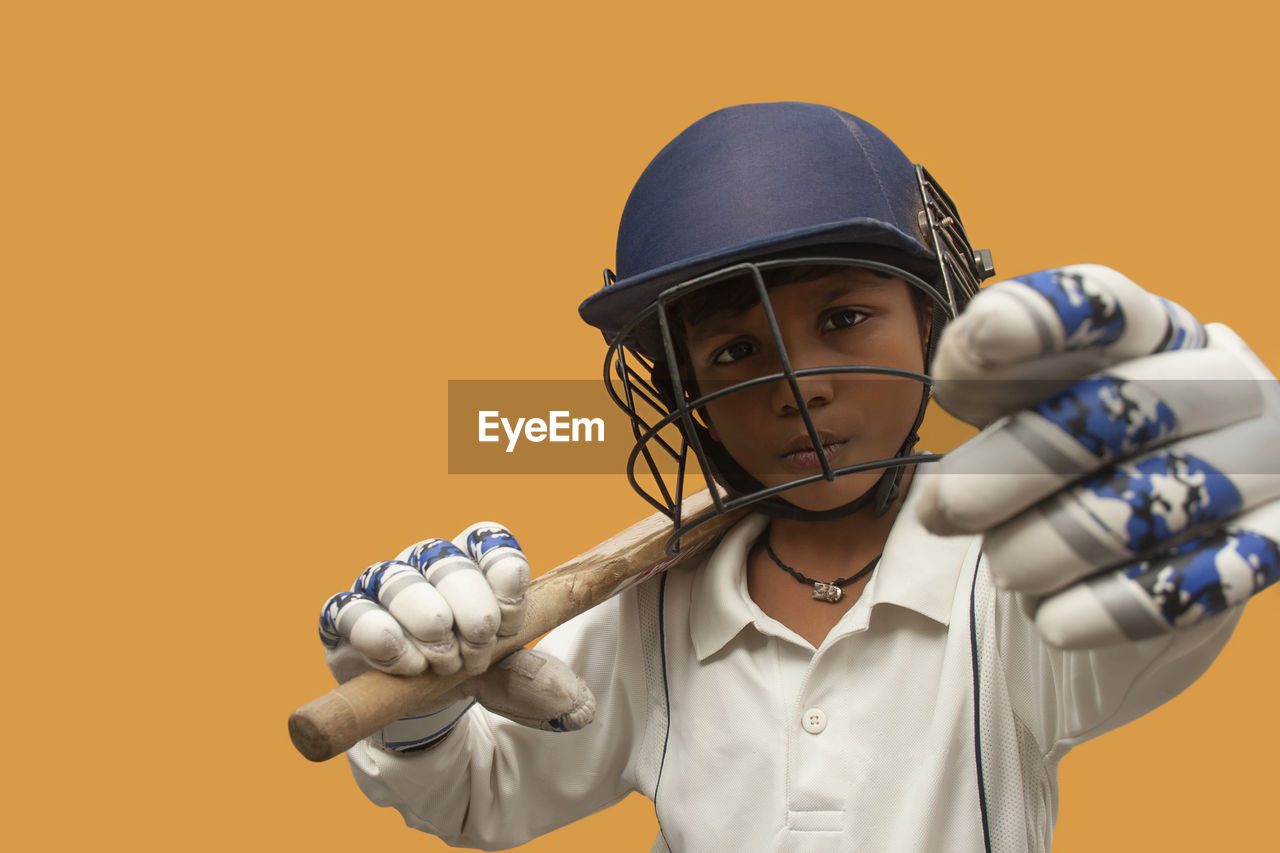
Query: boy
{"type": "Point", "coordinates": [834, 676]}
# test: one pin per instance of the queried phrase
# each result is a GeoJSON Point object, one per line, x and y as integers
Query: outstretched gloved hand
{"type": "Point", "coordinates": [440, 606]}
{"type": "Point", "coordinates": [1127, 478]}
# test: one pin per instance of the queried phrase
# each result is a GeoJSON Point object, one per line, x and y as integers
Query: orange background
{"type": "Point", "coordinates": [245, 245]}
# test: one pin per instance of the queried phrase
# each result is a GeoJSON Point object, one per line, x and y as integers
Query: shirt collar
{"type": "Point", "coordinates": [918, 571]}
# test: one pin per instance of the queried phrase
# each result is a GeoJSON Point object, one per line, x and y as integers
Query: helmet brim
{"type": "Point", "coordinates": [610, 308]}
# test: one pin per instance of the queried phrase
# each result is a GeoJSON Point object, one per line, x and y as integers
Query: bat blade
{"type": "Point", "coordinates": [331, 724]}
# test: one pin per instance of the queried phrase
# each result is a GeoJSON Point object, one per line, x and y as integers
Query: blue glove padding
{"type": "Point", "coordinates": [435, 606]}
{"type": "Point", "coordinates": [1119, 435]}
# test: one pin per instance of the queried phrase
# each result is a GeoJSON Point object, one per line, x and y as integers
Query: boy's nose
{"type": "Point", "coordinates": [815, 391]}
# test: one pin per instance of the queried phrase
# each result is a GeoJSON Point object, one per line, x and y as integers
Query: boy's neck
{"type": "Point", "coordinates": [838, 543]}
{"type": "Point", "coordinates": [822, 550]}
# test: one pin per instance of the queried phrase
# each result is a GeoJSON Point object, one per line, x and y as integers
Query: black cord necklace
{"type": "Point", "coordinates": [823, 591]}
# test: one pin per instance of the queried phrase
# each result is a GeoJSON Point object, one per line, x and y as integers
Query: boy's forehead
{"type": "Point", "coordinates": [727, 302]}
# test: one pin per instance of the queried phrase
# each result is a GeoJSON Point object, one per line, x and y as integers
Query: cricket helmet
{"type": "Point", "coordinates": [742, 192]}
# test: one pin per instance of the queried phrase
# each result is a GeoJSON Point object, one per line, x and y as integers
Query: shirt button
{"type": "Point", "coordinates": [814, 721]}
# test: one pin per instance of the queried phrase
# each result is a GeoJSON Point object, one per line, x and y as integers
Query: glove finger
{"type": "Point", "coordinates": [1133, 509]}
{"type": "Point", "coordinates": [504, 565]}
{"type": "Point", "coordinates": [357, 620]}
{"type": "Point", "coordinates": [1131, 408]}
{"type": "Point", "coordinates": [419, 608]}
{"type": "Point", "coordinates": [475, 609]}
{"type": "Point", "coordinates": [1173, 591]}
{"type": "Point", "coordinates": [537, 690]}
{"type": "Point", "coordinates": [1020, 340]}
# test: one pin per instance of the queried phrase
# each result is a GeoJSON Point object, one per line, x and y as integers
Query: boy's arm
{"type": "Point", "coordinates": [1067, 696]}
{"type": "Point", "coordinates": [453, 766]}
{"type": "Point", "coordinates": [494, 784]}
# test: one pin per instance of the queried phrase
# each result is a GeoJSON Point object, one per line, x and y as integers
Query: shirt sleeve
{"type": "Point", "coordinates": [1069, 696]}
{"type": "Point", "coordinates": [493, 783]}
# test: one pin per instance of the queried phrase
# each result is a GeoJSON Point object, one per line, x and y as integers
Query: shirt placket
{"type": "Point", "coordinates": [824, 756]}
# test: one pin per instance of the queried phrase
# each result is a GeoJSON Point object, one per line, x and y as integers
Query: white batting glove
{"type": "Point", "coordinates": [1120, 435]}
{"type": "Point", "coordinates": [440, 606]}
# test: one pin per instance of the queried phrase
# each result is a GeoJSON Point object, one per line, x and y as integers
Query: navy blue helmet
{"type": "Point", "coordinates": [741, 192]}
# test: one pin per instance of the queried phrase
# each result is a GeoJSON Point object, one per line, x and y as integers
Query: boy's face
{"type": "Point", "coordinates": [850, 316]}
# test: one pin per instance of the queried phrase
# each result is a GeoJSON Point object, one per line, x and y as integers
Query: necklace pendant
{"type": "Point", "coordinates": [827, 592]}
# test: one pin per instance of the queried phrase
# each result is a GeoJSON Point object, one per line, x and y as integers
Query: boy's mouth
{"type": "Point", "coordinates": [799, 452]}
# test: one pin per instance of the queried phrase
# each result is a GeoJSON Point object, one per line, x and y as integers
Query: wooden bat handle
{"type": "Point", "coordinates": [335, 722]}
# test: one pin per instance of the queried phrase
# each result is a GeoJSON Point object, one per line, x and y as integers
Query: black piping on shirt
{"type": "Point", "coordinates": [977, 706]}
{"type": "Point", "coordinates": [666, 695]}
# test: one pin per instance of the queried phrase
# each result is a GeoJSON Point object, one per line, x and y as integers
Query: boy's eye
{"type": "Point", "coordinates": [733, 352]}
{"type": "Point", "coordinates": [842, 319]}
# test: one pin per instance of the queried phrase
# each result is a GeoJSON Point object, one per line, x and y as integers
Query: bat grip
{"type": "Point", "coordinates": [333, 723]}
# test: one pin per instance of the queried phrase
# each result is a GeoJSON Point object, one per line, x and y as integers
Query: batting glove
{"type": "Point", "coordinates": [440, 606]}
{"type": "Point", "coordinates": [1126, 480]}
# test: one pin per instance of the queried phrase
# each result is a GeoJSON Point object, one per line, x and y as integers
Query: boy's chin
{"type": "Point", "coordinates": [823, 496]}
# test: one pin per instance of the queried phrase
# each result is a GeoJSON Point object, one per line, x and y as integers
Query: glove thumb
{"type": "Point", "coordinates": [536, 690]}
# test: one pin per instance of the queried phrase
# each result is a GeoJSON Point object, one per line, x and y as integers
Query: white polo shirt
{"type": "Point", "coordinates": [749, 739]}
